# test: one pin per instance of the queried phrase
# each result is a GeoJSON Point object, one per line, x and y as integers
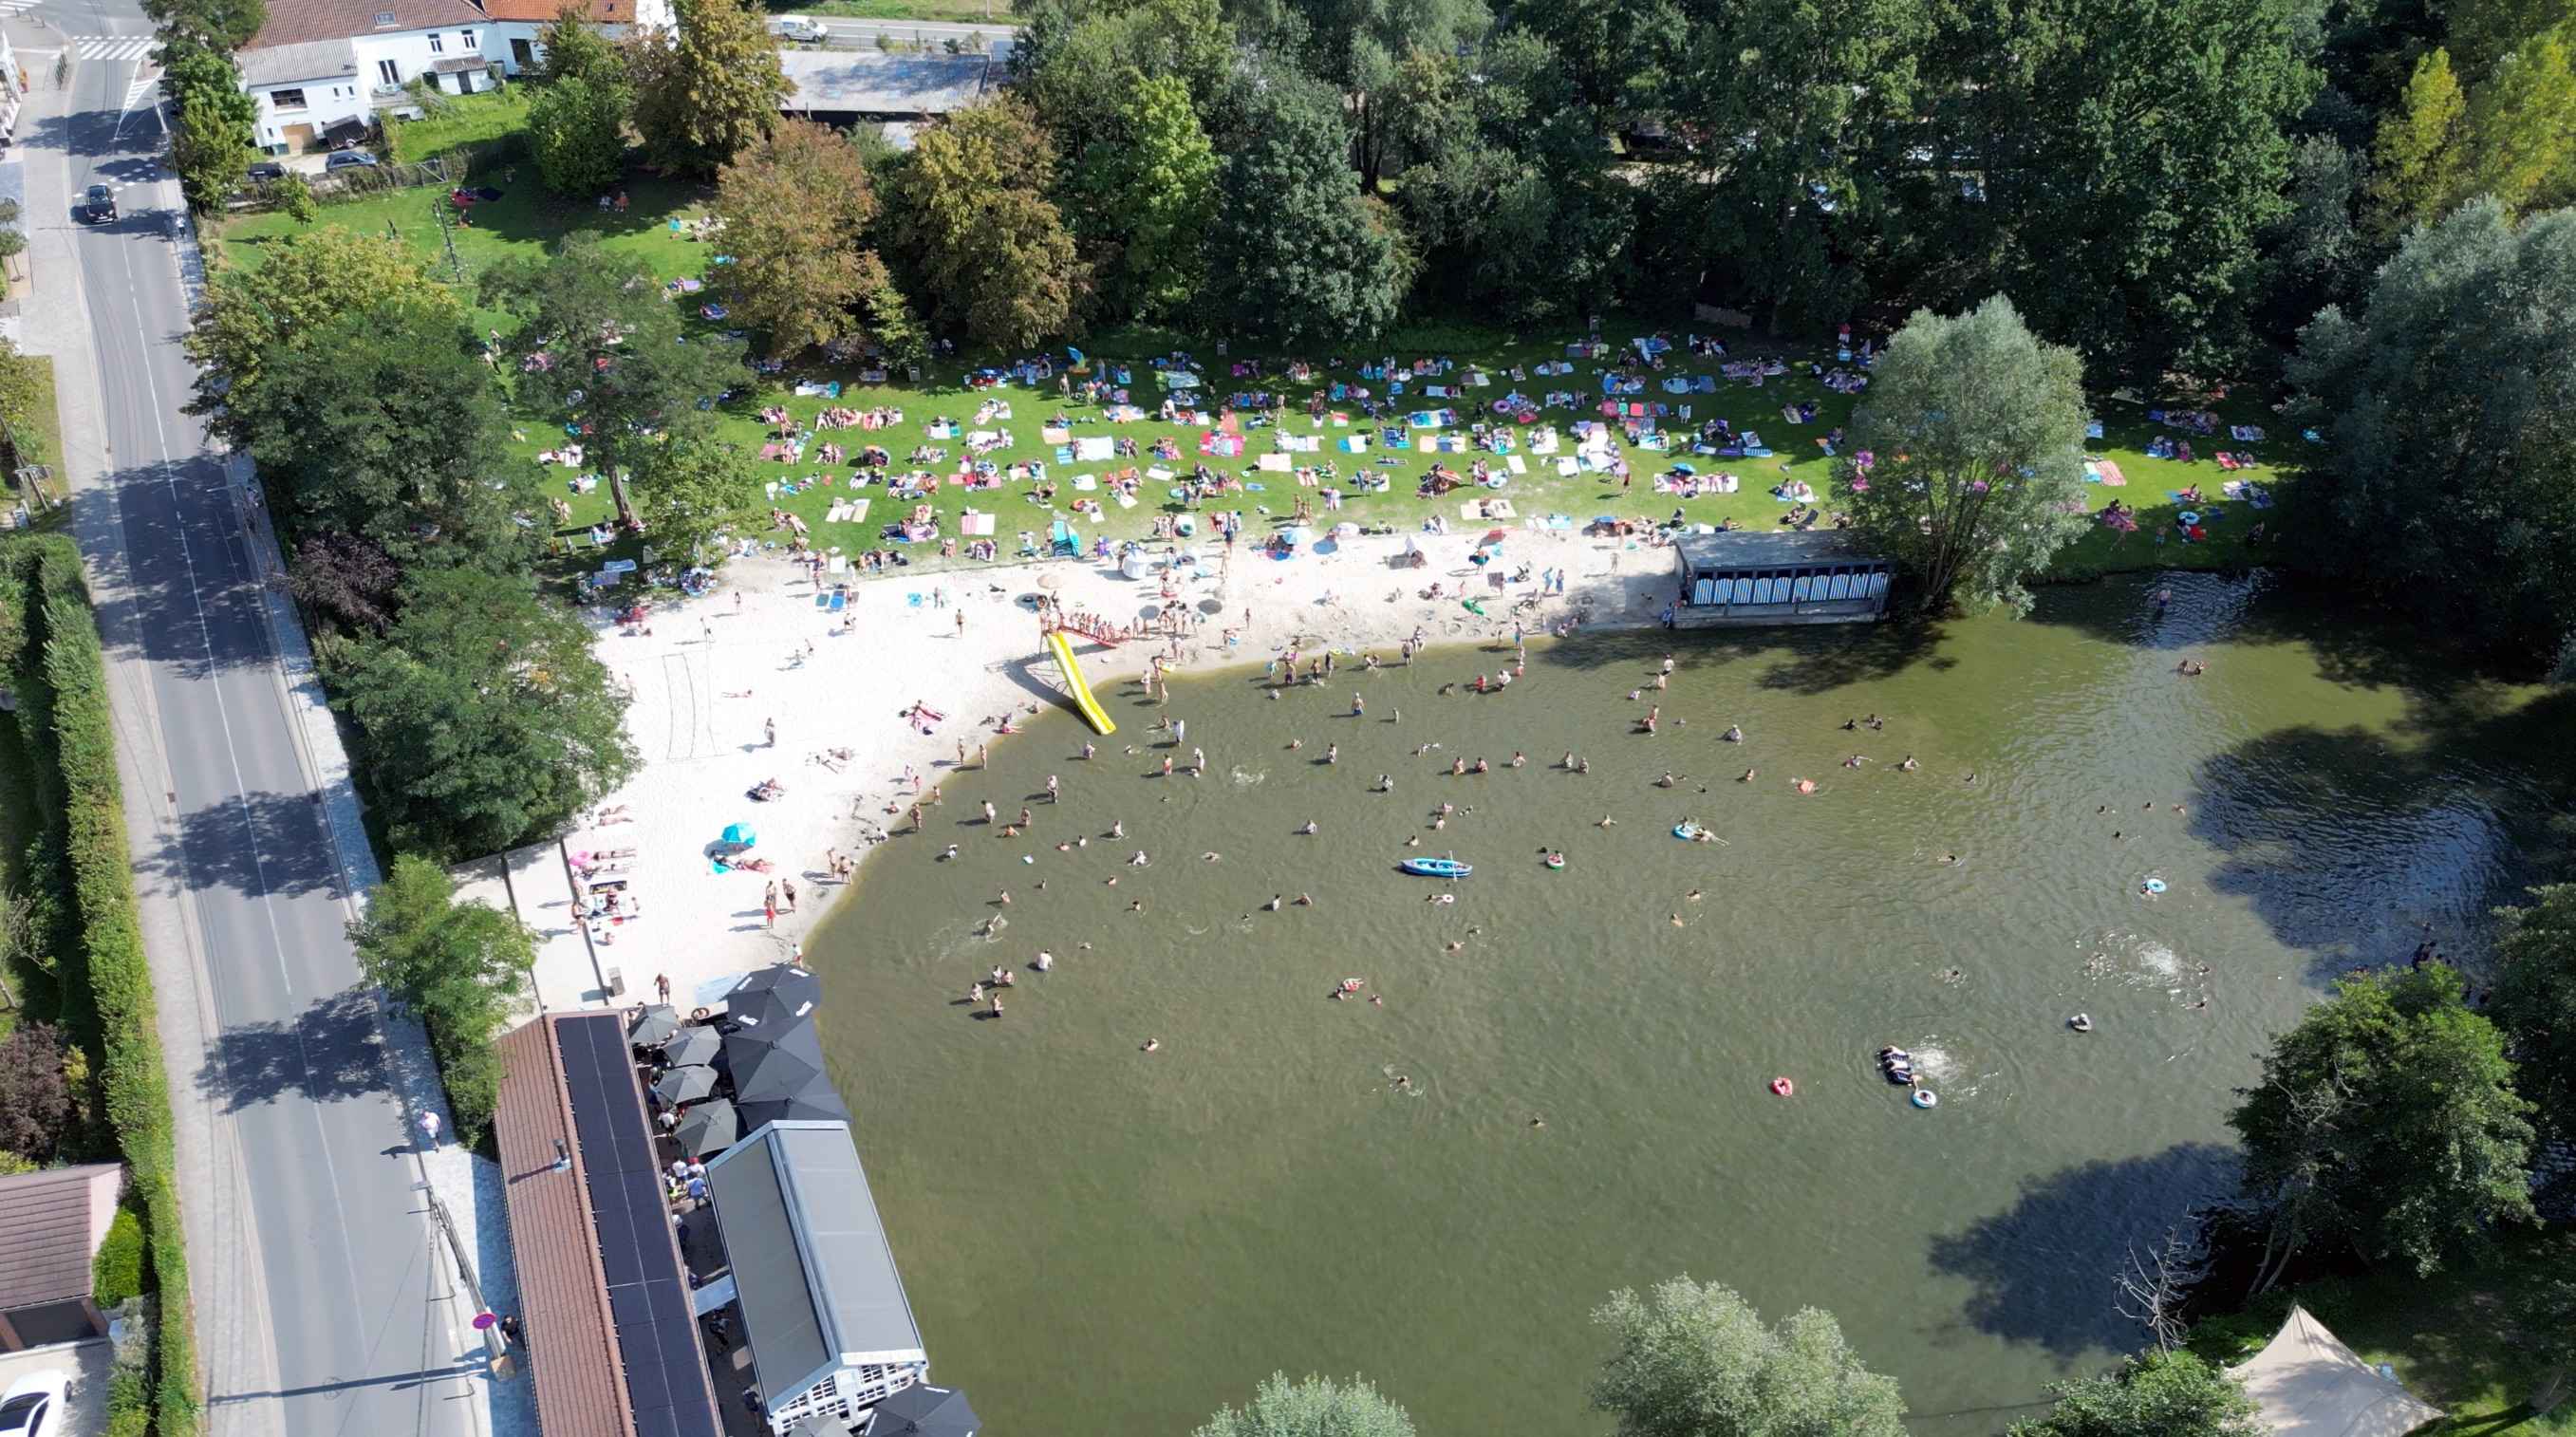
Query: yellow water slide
{"type": "Point", "coordinates": [1062, 647]}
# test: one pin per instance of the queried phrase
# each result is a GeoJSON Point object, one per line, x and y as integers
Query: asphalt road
{"type": "Point", "coordinates": [359, 1309]}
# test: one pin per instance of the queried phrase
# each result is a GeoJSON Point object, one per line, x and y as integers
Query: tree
{"type": "Point", "coordinates": [1314, 1407]}
{"type": "Point", "coordinates": [2386, 1122]}
{"type": "Point", "coordinates": [2456, 379]}
{"type": "Point", "coordinates": [607, 348]}
{"type": "Point", "coordinates": [347, 578]}
{"type": "Point", "coordinates": [210, 147]}
{"type": "Point", "coordinates": [1077, 59]}
{"type": "Point", "coordinates": [702, 98]}
{"type": "Point", "coordinates": [1152, 189]}
{"type": "Point", "coordinates": [1695, 1360]}
{"type": "Point", "coordinates": [577, 134]}
{"type": "Point", "coordinates": [386, 424]}
{"type": "Point", "coordinates": [295, 196]}
{"type": "Point", "coordinates": [794, 207]}
{"type": "Point", "coordinates": [970, 210]}
{"type": "Point", "coordinates": [35, 1099]}
{"type": "Point", "coordinates": [1293, 257]}
{"type": "Point", "coordinates": [484, 716]}
{"type": "Point", "coordinates": [890, 322]}
{"type": "Point", "coordinates": [690, 488]}
{"type": "Point", "coordinates": [2522, 126]}
{"type": "Point", "coordinates": [571, 47]}
{"type": "Point", "coordinates": [225, 25]}
{"type": "Point", "coordinates": [457, 965]}
{"type": "Point", "coordinates": [2417, 161]}
{"type": "Point", "coordinates": [2159, 1394]}
{"type": "Point", "coordinates": [2535, 1003]}
{"type": "Point", "coordinates": [302, 283]}
{"type": "Point", "coordinates": [1358, 45]}
{"type": "Point", "coordinates": [1967, 451]}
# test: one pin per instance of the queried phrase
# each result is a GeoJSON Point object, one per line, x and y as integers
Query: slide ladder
{"type": "Point", "coordinates": [1062, 648]}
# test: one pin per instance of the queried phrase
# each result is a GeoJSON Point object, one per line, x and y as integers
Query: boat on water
{"type": "Point", "coordinates": [1435, 868]}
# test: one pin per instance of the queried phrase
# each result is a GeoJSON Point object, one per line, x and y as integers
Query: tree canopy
{"type": "Point", "coordinates": [458, 965]}
{"type": "Point", "coordinates": [703, 97]}
{"type": "Point", "coordinates": [1311, 1407]}
{"type": "Point", "coordinates": [1149, 189]}
{"type": "Point", "coordinates": [1695, 1360]}
{"type": "Point", "coordinates": [255, 314]}
{"type": "Point", "coordinates": [2159, 1394]}
{"type": "Point", "coordinates": [690, 488]}
{"type": "Point", "coordinates": [1967, 449]}
{"type": "Point", "coordinates": [1295, 258]}
{"type": "Point", "coordinates": [796, 207]}
{"type": "Point", "coordinates": [2535, 1002]}
{"type": "Point", "coordinates": [577, 134]}
{"type": "Point", "coordinates": [971, 212]}
{"type": "Point", "coordinates": [572, 47]}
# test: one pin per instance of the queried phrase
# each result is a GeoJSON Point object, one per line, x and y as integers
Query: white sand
{"type": "Point", "coordinates": [713, 670]}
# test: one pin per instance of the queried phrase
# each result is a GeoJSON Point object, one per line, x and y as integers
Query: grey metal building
{"type": "Point", "coordinates": [1793, 577]}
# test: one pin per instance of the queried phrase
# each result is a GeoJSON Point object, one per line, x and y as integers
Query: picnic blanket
{"type": "Point", "coordinates": [1352, 443]}
{"type": "Point", "coordinates": [847, 511]}
{"type": "Point", "coordinates": [1275, 463]}
{"type": "Point", "coordinates": [2105, 471]}
{"type": "Point", "coordinates": [976, 525]}
{"type": "Point", "coordinates": [1432, 418]}
{"type": "Point", "coordinates": [1094, 449]}
{"type": "Point", "coordinates": [1176, 379]}
{"type": "Point", "coordinates": [1301, 443]}
{"type": "Point", "coordinates": [1487, 509]}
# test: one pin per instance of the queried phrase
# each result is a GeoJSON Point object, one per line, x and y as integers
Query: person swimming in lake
{"type": "Point", "coordinates": [1309, 829]}
{"type": "Point", "coordinates": [1667, 781]}
{"type": "Point", "coordinates": [1856, 760]}
{"type": "Point", "coordinates": [1332, 753]}
{"type": "Point", "coordinates": [1519, 759]}
{"type": "Point", "coordinates": [1907, 765]}
{"type": "Point", "coordinates": [1748, 776]}
{"type": "Point", "coordinates": [1385, 784]}
{"type": "Point", "coordinates": [1480, 766]}
{"type": "Point", "coordinates": [1457, 767]}
{"type": "Point", "coordinates": [1733, 734]}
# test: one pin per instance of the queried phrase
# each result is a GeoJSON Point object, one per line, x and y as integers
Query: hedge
{"type": "Point", "coordinates": [116, 1273]}
{"type": "Point", "coordinates": [21, 650]}
{"type": "Point", "coordinates": [72, 674]}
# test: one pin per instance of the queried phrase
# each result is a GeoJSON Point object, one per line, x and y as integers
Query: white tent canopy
{"type": "Point", "coordinates": [2310, 1385]}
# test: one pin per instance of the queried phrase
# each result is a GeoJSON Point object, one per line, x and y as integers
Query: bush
{"type": "Point", "coordinates": [117, 1272]}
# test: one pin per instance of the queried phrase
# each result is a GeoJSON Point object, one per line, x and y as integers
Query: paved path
{"type": "Point", "coordinates": [325, 1303]}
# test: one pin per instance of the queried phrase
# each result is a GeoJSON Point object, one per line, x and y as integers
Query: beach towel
{"type": "Point", "coordinates": [1085, 483]}
{"type": "Point", "coordinates": [1275, 463]}
{"type": "Point", "coordinates": [1126, 500]}
{"type": "Point", "coordinates": [2093, 429]}
{"type": "Point", "coordinates": [1055, 434]}
{"type": "Point", "coordinates": [1352, 443]}
{"type": "Point", "coordinates": [2109, 472]}
{"type": "Point", "coordinates": [1568, 468]}
{"type": "Point", "coordinates": [1515, 465]}
{"type": "Point", "coordinates": [1094, 449]}
{"type": "Point", "coordinates": [974, 525]}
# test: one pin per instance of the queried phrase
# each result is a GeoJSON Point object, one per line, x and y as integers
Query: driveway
{"type": "Point", "coordinates": [87, 1362]}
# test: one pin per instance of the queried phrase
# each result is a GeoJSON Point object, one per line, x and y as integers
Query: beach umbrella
{"type": "Point", "coordinates": [820, 1106]}
{"type": "Point", "coordinates": [710, 1127]}
{"type": "Point", "coordinates": [653, 1027]}
{"type": "Point", "coordinates": [1294, 534]}
{"type": "Point", "coordinates": [768, 1015]}
{"type": "Point", "coordinates": [685, 1084]}
{"type": "Point", "coordinates": [795, 987]}
{"type": "Point", "coordinates": [696, 1043]}
{"type": "Point", "coordinates": [774, 1070]}
{"type": "Point", "coordinates": [1684, 469]}
{"type": "Point", "coordinates": [1493, 536]}
{"type": "Point", "coordinates": [740, 833]}
{"type": "Point", "coordinates": [922, 1410]}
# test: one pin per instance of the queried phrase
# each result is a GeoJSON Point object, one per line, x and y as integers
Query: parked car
{"type": "Point", "coordinates": [34, 1406]}
{"type": "Point", "coordinates": [99, 206]}
{"type": "Point", "coordinates": [349, 160]}
{"type": "Point", "coordinates": [800, 29]}
{"type": "Point", "coordinates": [264, 171]}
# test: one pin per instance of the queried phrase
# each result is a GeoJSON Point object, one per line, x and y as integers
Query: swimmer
{"type": "Point", "coordinates": [1803, 785]}
{"type": "Point", "coordinates": [1606, 821]}
{"type": "Point", "coordinates": [1005, 899]}
{"type": "Point", "coordinates": [1519, 759]}
{"type": "Point", "coordinates": [1907, 765]}
{"type": "Point", "coordinates": [1440, 823]}
{"type": "Point", "coordinates": [1138, 859]}
{"type": "Point", "coordinates": [1441, 898]}
{"type": "Point", "coordinates": [1309, 829]}
{"type": "Point", "coordinates": [1273, 904]}
{"type": "Point", "coordinates": [1480, 765]}
{"type": "Point", "coordinates": [1568, 761]}
{"type": "Point", "coordinates": [1691, 897]}
{"type": "Point", "coordinates": [1457, 767]}
{"type": "Point", "coordinates": [1136, 907]}
{"type": "Point", "coordinates": [1153, 1045]}
{"type": "Point", "coordinates": [1295, 744]}
{"type": "Point", "coordinates": [1064, 848]}
{"type": "Point", "coordinates": [988, 810]}
{"type": "Point", "coordinates": [1583, 765]}
{"type": "Point", "coordinates": [1376, 1001]}
{"type": "Point", "coordinates": [1305, 900]}
{"type": "Point", "coordinates": [1667, 781]}
{"type": "Point", "coordinates": [1748, 776]}
{"type": "Point", "coordinates": [1044, 961]}
{"type": "Point", "coordinates": [951, 853]}
{"type": "Point", "coordinates": [975, 994]}
{"type": "Point", "coordinates": [1088, 750]}
{"type": "Point", "coordinates": [1332, 753]}
{"type": "Point", "coordinates": [1210, 856]}
{"type": "Point", "coordinates": [1446, 808]}
{"type": "Point", "coordinates": [1118, 828]}
{"type": "Point", "coordinates": [1385, 784]}
{"type": "Point", "coordinates": [1950, 860]}
{"type": "Point", "coordinates": [1454, 947]}
{"type": "Point", "coordinates": [1733, 734]}
{"type": "Point", "coordinates": [1856, 760]}
{"type": "Point", "coordinates": [1414, 842]}
{"type": "Point", "coordinates": [1677, 920]}
{"type": "Point", "coordinates": [1850, 725]}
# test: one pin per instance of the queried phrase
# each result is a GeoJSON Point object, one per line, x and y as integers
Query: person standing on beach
{"type": "Point", "coordinates": [788, 886]}
{"type": "Point", "coordinates": [662, 981]}
{"type": "Point", "coordinates": [961, 623]}
{"type": "Point", "coordinates": [769, 732]}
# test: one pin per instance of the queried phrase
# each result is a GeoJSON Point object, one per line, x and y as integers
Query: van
{"type": "Point", "coordinates": [800, 29]}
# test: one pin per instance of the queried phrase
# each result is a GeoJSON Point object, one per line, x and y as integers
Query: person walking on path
{"type": "Point", "coordinates": [429, 1129]}
{"type": "Point", "coordinates": [662, 986]}
{"type": "Point", "coordinates": [961, 623]}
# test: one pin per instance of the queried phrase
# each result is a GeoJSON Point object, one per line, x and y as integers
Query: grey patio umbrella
{"type": "Point", "coordinates": [790, 988]}
{"type": "Point", "coordinates": [922, 1410]}
{"type": "Point", "coordinates": [696, 1043]}
{"type": "Point", "coordinates": [653, 1027]}
{"type": "Point", "coordinates": [710, 1127]}
{"type": "Point", "coordinates": [766, 1016]}
{"type": "Point", "coordinates": [685, 1085]}
{"type": "Point", "coordinates": [774, 1069]}
{"type": "Point", "coordinates": [820, 1106]}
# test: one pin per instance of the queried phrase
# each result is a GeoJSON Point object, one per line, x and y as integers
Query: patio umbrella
{"type": "Point", "coordinates": [794, 987]}
{"type": "Point", "coordinates": [774, 1070]}
{"type": "Point", "coordinates": [654, 1026]}
{"type": "Point", "coordinates": [740, 833]}
{"type": "Point", "coordinates": [922, 1410]}
{"type": "Point", "coordinates": [685, 1084]}
{"type": "Point", "coordinates": [710, 1127]}
{"type": "Point", "coordinates": [824, 1106]}
{"type": "Point", "coordinates": [765, 1017]}
{"type": "Point", "coordinates": [696, 1043]}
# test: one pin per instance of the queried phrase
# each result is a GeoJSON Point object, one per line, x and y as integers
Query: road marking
{"type": "Point", "coordinates": [145, 78]}
{"type": "Point", "coordinates": [112, 47]}
{"type": "Point", "coordinates": [18, 7]}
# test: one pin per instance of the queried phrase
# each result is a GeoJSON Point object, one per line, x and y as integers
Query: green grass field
{"type": "Point", "coordinates": [524, 220]}
{"type": "Point", "coordinates": [467, 119]}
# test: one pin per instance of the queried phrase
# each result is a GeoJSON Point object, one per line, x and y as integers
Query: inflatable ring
{"type": "Point", "coordinates": [2152, 885]}
{"type": "Point", "coordinates": [1926, 1098]}
{"type": "Point", "coordinates": [1782, 1087]}
{"type": "Point", "coordinates": [1556, 860]}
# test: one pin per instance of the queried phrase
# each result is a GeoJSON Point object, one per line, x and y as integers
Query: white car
{"type": "Point", "coordinates": [34, 1406]}
{"type": "Point", "coordinates": [801, 29]}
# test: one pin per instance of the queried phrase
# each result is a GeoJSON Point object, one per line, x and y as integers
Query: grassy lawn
{"type": "Point", "coordinates": [2449, 1337]}
{"type": "Point", "coordinates": [522, 221]}
{"type": "Point", "coordinates": [41, 440]}
{"type": "Point", "coordinates": [465, 120]}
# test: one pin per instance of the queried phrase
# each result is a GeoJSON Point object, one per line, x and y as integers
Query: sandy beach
{"type": "Point", "coordinates": [710, 676]}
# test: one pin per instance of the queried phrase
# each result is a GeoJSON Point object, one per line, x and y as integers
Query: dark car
{"type": "Point", "coordinates": [349, 159]}
{"type": "Point", "coordinates": [266, 170]}
{"type": "Point", "coordinates": [100, 204]}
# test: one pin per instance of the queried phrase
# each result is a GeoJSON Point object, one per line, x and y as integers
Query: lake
{"type": "Point", "coordinates": [1564, 1090]}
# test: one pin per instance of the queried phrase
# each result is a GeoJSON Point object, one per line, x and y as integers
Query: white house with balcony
{"type": "Point", "coordinates": [320, 68]}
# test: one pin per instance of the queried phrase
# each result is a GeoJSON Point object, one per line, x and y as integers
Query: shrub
{"type": "Point", "coordinates": [117, 1272]}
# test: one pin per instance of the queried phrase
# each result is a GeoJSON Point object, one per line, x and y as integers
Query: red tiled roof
{"type": "Point", "coordinates": [605, 12]}
{"type": "Point", "coordinates": [49, 1226]}
{"type": "Point", "coordinates": [572, 1350]}
{"type": "Point", "coordinates": [297, 22]}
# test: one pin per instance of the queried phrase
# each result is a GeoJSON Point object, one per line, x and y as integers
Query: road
{"type": "Point", "coordinates": [848, 31]}
{"type": "Point", "coordinates": [325, 1308]}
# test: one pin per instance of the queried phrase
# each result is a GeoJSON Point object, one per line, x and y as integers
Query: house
{"type": "Point", "coordinates": [516, 24]}
{"type": "Point", "coordinates": [323, 68]}
{"type": "Point", "coordinates": [51, 1225]}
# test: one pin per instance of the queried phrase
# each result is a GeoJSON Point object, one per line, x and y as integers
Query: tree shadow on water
{"type": "Point", "coordinates": [1808, 661]}
{"type": "Point", "coordinates": [2043, 1268]}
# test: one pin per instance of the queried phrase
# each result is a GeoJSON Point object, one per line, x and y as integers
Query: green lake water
{"type": "Point", "coordinates": [1098, 1240]}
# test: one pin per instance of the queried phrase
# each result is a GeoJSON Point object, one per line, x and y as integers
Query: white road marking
{"type": "Point", "coordinates": [113, 47]}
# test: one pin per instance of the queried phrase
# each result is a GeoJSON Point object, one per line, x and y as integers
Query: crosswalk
{"type": "Point", "coordinates": [110, 47]}
{"type": "Point", "coordinates": [147, 78]}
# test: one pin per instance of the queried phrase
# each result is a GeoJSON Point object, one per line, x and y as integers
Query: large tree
{"type": "Point", "coordinates": [691, 488]}
{"type": "Point", "coordinates": [603, 347]}
{"type": "Point", "coordinates": [458, 965]}
{"type": "Point", "coordinates": [2448, 411]}
{"type": "Point", "coordinates": [1358, 46]}
{"type": "Point", "coordinates": [36, 1105]}
{"type": "Point", "coordinates": [970, 210]}
{"type": "Point", "coordinates": [224, 25]}
{"type": "Point", "coordinates": [1295, 257]}
{"type": "Point", "coordinates": [2522, 125]}
{"type": "Point", "coordinates": [702, 98]}
{"type": "Point", "coordinates": [485, 717]}
{"type": "Point", "coordinates": [386, 424]}
{"type": "Point", "coordinates": [1695, 1360]}
{"type": "Point", "coordinates": [796, 207]}
{"type": "Point", "coordinates": [2160, 1394]}
{"type": "Point", "coordinates": [1149, 189]}
{"type": "Point", "coordinates": [210, 145]}
{"type": "Point", "coordinates": [1077, 58]}
{"type": "Point", "coordinates": [2535, 1003]}
{"type": "Point", "coordinates": [1314, 1407]}
{"type": "Point", "coordinates": [2386, 1124]}
{"type": "Point", "coordinates": [2420, 151]}
{"type": "Point", "coordinates": [1967, 449]}
{"type": "Point", "coordinates": [255, 314]}
{"type": "Point", "coordinates": [577, 134]}
{"type": "Point", "coordinates": [573, 47]}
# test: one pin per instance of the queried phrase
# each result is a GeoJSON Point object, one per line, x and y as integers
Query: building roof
{"type": "Point", "coordinates": [300, 22]}
{"type": "Point", "coordinates": [604, 12]}
{"type": "Point", "coordinates": [50, 1226]}
{"type": "Point", "coordinates": [574, 1355]}
{"type": "Point", "coordinates": [298, 64]}
{"type": "Point", "coordinates": [811, 1264]}
{"type": "Point", "coordinates": [868, 82]}
{"type": "Point", "coordinates": [1754, 547]}
{"type": "Point", "coordinates": [2308, 1384]}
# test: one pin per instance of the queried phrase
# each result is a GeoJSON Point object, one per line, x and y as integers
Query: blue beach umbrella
{"type": "Point", "coordinates": [740, 833]}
